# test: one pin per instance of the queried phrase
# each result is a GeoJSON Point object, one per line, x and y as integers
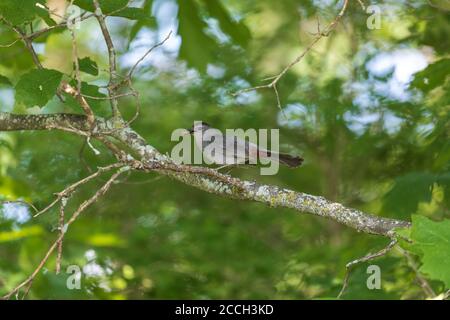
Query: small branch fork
{"type": "Point", "coordinates": [423, 283]}
{"type": "Point", "coordinates": [275, 79]}
{"type": "Point", "coordinates": [67, 88]}
{"type": "Point", "coordinates": [58, 242]}
{"type": "Point", "coordinates": [349, 266]}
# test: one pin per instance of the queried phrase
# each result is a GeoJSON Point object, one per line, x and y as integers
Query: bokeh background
{"type": "Point", "coordinates": [367, 109]}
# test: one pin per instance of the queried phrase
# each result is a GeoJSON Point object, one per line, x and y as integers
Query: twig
{"type": "Point", "coordinates": [75, 57]}
{"type": "Point", "coordinates": [424, 285]}
{"type": "Point", "coordinates": [82, 158]}
{"type": "Point", "coordinates": [69, 190]}
{"type": "Point", "coordinates": [130, 74]}
{"type": "Point", "coordinates": [361, 3]}
{"type": "Point", "coordinates": [9, 45]}
{"type": "Point", "coordinates": [28, 43]}
{"type": "Point", "coordinates": [39, 33]}
{"type": "Point", "coordinates": [20, 201]}
{"type": "Point", "coordinates": [446, 295]}
{"type": "Point", "coordinates": [112, 59]}
{"type": "Point", "coordinates": [67, 88]}
{"type": "Point", "coordinates": [75, 215]}
{"type": "Point", "coordinates": [366, 258]}
{"type": "Point", "coordinates": [109, 98]}
{"type": "Point", "coordinates": [436, 6]}
{"type": "Point", "coordinates": [61, 233]}
{"type": "Point", "coordinates": [328, 30]}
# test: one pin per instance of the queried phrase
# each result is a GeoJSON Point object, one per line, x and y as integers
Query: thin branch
{"type": "Point", "coordinates": [75, 58]}
{"type": "Point", "coordinates": [67, 88]}
{"type": "Point", "coordinates": [207, 179]}
{"type": "Point", "coordinates": [28, 43]}
{"type": "Point", "coordinates": [446, 295]}
{"type": "Point", "coordinates": [126, 94]}
{"type": "Point", "coordinates": [424, 285]}
{"type": "Point", "coordinates": [21, 202]}
{"type": "Point", "coordinates": [9, 45]}
{"type": "Point", "coordinates": [325, 33]}
{"type": "Point", "coordinates": [67, 192]}
{"type": "Point", "coordinates": [62, 231]}
{"type": "Point", "coordinates": [75, 215]}
{"type": "Point", "coordinates": [370, 256]}
{"type": "Point", "coordinates": [112, 59]}
{"type": "Point", "coordinates": [436, 6]}
{"type": "Point", "coordinates": [130, 74]}
{"type": "Point", "coordinates": [39, 33]}
{"type": "Point", "coordinates": [363, 6]}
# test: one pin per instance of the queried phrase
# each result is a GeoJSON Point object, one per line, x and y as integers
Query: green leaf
{"type": "Point", "coordinates": [432, 240]}
{"type": "Point", "coordinates": [197, 48]}
{"type": "Point", "coordinates": [117, 8]}
{"type": "Point", "coordinates": [432, 76]}
{"type": "Point", "coordinates": [408, 191]}
{"type": "Point", "coordinates": [89, 66]}
{"type": "Point", "coordinates": [107, 6]}
{"type": "Point", "coordinates": [7, 236]}
{"type": "Point", "coordinates": [18, 12]}
{"type": "Point", "coordinates": [150, 23]}
{"type": "Point", "coordinates": [45, 15]}
{"type": "Point", "coordinates": [37, 87]}
{"type": "Point", "coordinates": [238, 31]}
{"type": "Point", "coordinates": [4, 81]}
{"type": "Point", "coordinates": [133, 13]}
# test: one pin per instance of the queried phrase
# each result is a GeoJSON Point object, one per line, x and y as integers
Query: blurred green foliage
{"type": "Point", "coordinates": [372, 126]}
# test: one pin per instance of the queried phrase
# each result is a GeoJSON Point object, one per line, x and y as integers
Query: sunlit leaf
{"type": "Point", "coordinates": [431, 240]}
{"type": "Point", "coordinates": [6, 236]}
{"type": "Point", "coordinates": [37, 87]}
{"type": "Point", "coordinates": [18, 12]}
{"type": "Point", "coordinates": [105, 240]}
{"type": "Point", "coordinates": [117, 8]}
{"type": "Point", "coordinates": [89, 66]}
{"type": "Point", "coordinates": [432, 76]}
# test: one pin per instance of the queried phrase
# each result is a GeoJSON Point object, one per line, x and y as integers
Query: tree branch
{"type": "Point", "coordinates": [275, 196]}
{"type": "Point", "coordinates": [207, 179]}
{"type": "Point", "coordinates": [17, 122]}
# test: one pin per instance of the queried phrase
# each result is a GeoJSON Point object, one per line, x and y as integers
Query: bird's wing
{"type": "Point", "coordinates": [242, 148]}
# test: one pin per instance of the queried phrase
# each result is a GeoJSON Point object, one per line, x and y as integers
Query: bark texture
{"type": "Point", "coordinates": [143, 156]}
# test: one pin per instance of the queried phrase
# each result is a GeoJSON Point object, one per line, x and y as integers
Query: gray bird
{"type": "Point", "coordinates": [229, 149]}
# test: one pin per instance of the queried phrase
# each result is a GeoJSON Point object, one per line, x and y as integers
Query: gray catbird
{"type": "Point", "coordinates": [231, 150]}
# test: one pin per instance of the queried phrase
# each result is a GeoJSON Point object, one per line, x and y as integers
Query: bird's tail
{"type": "Point", "coordinates": [290, 161]}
